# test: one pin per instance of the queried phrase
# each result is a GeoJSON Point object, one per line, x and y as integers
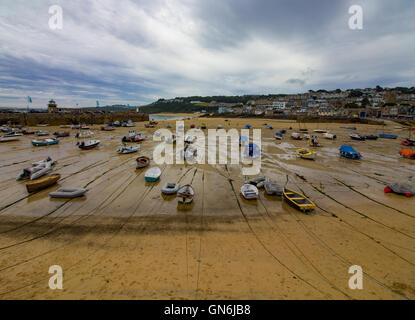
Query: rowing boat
{"type": "Point", "coordinates": [298, 200]}
{"type": "Point", "coordinates": [42, 183]}
{"type": "Point", "coordinates": [44, 142]}
{"type": "Point", "coordinates": [152, 174]}
{"type": "Point", "coordinates": [306, 154]}
{"type": "Point", "coordinates": [249, 192]}
{"type": "Point", "coordinates": [186, 194]}
{"type": "Point", "coordinates": [142, 162]}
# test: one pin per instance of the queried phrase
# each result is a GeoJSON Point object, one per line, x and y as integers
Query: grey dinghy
{"type": "Point", "coordinates": [273, 189]}
{"type": "Point", "coordinates": [170, 188]}
{"type": "Point", "coordinates": [67, 193]}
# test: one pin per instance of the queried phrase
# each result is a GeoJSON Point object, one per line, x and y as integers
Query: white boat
{"type": "Point", "coordinates": [130, 124]}
{"type": "Point", "coordinates": [185, 194]}
{"type": "Point", "coordinates": [128, 149]}
{"type": "Point", "coordinates": [329, 136]}
{"type": "Point", "coordinates": [7, 138]}
{"type": "Point", "coordinates": [152, 174]}
{"type": "Point", "coordinates": [84, 134]}
{"type": "Point", "coordinates": [68, 193]}
{"type": "Point", "coordinates": [249, 192]}
{"type": "Point", "coordinates": [86, 145]}
{"type": "Point", "coordinates": [38, 170]}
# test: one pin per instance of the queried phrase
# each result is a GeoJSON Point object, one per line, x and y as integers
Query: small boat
{"type": "Point", "coordinates": [44, 142]}
{"type": "Point", "coordinates": [248, 126]}
{"type": "Point", "coordinates": [148, 125]}
{"type": "Point", "coordinates": [349, 128]}
{"type": "Point", "coordinates": [116, 123]}
{"type": "Point", "coordinates": [26, 132]}
{"type": "Point", "coordinates": [408, 143]}
{"type": "Point", "coordinates": [314, 142]}
{"type": "Point", "coordinates": [192, 126]}
{"type": "Point", "coordinates": [255, 181]}
{"type": "Point", "coordinates": [84, 134]}
{"type": "Point", "coordinates": [65, 126]}
{"type": "Point", "coordinates": [371, 137]}
{"type": "Point", "coordinates": [298, 200]}
{"type": "Point", "coordinates": [7, 138]}
{"type": "Point", "coordinates": [68, 193]}
{"type": "Point", "coordinates": [203, 127]}
{"type": "Point", "coordinates": [273, 189]}
{"type": "Point", "coordinates": [87, 145]}
{"type": "Point", "coordinates": [303, 130]}
{"type": "Point", "coordinates": [42, 125]}
{"type": "Point", "coordinates": [170, 188]}
{"type": "Point", "coordinates": [152, 174]}
{"type": "Point", "coordinates": [306, 154]}
{"type": "Point", "coordinates": [307, 136]}
{"type": "Point", "coordinates": [407, 153]}
{"type": "Point", "coordinates": [128, 149]}
{"type": "Point", "coordinates": [220, 126]}
{"type": "Point", "coordinates": [38, 170]}
{"type": "Point", "coordinates": [406, 189]}
{"type": "Point", "coordinates": [270, 127]}
{"type": "Point", "coordinates": [296, 136]}
{"type": "Point", "coordinates": [278, 135]}
{"type": "Point", "coordinates": [42, 183]}
{"type": "Point", "coordinates": [387, 136]}
{"type": "Point", "coordinates": [358, 137]}
{"type": "Point", "coordinates": [62, 134]}
{"type": "Point", "coordinates": [129, 124]}
{"type": "Point", "coordinates": [350, 153]}
{"type": "Point", "coordinates": [249, 192]}
{"type": "Point", "coordinates": [320, 131]}
{"type": "Point", "coordinates": [283, 131]}
{"type": "Point", "coordinates": [84, 127]}
{"type": "Point", "coordinates": [142, 162]}
{"type": "Point", "coordinates": [329, 136]}
{"type": "Point", "coordinates": [76, 126]}
{"type": "Point", "coordinates": [108, 128]}
{"type": "Point", "coordinates": [185, 194]}
{"type": "Point", "coordinates": [42, 133]}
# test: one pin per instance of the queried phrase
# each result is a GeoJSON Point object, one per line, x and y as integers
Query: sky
{"type": "Point", "coordinates": [135, 51]}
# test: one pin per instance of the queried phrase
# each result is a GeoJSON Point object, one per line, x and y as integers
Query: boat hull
{"type": "Point", "coordinates": [42, 183]}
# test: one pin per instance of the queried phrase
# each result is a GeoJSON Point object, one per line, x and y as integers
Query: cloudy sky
{"type": "Point", "coordinates": [136, 51]}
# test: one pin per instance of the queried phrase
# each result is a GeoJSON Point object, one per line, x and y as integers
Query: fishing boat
{"type": "Point", "coordinates": [407, 153]}
{"type": "Point", "coordinates": [298, 200]}
{"type": "Point", "coordinates": [185, 194]}
{"type": "Point", "coordinates": [142, 162]}
{"type": "Point", "coordinates": [42, 133]}
{"type": "Point", "coordinates": [408, 143]}
{"type": "Point", "coordinates": [371, 137]}
{"type": "Point", "coordinates": [62, 134]}
{"type": "Point", "coordinates": [42, 183]}
{"type": "Point", "coordinates": [329, 136]}
{"type": "Point", "coordinates": [249, 192]}
{"type": "Point", "coordinates": [152, 174]}
{"type": "Point", "coordinates": [44, 142]}
{"type": "Point", "coordinates": [68, 193]}
{"type": "Point", "coordinates": [358, 137]}
{"type": "Point", "coordinates": [350, 153]}
{"type": "Point", "coordinates": [296, 136]}
{"type": "Point", "coordinates": [87, 145]}
{"type": "Point", "coordinates": [387, 136]}
{"type": "Point", "coordinates": [306, 154]}
{"type": "Point", "coordinates": [170, 188]}
{"type": "Point", "coordinates": [84, 134]}
{"type": "Point", "coordinates": [128, 149]}
{"type": "Point", "coordinates": [278, 135]}
{"type": "Point", "coordinates": [273, 189]}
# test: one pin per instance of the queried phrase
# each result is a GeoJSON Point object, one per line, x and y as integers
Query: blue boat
{"type": "Point", "coordinates": [248, 126]}
{"type": "Point", "coordinates": [358, 137]}
{"type": "Point", "coordinates": [283, 131]}
{"type": "Point", "coordinates": [387, 136]}
{"type": "Point", "coordinates": [269, 127]}
{"type": "Point", "coordinates": [278, 135]}
{"type": "Point", "coordinates": [350, 153]}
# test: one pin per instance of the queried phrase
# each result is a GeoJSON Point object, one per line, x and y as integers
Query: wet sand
{"type": "Point", "coordinates": [124, 240]}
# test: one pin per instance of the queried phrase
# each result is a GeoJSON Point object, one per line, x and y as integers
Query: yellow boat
{"type": "Point", "coordinates": [306, 154]}
{"type": "Point", "coordinates": [298, 201]}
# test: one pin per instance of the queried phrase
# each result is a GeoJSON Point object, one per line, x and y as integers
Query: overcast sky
{"type": "Point", "coordinates": [133, 51]}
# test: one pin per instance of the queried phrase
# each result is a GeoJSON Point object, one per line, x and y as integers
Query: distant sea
{"type": "Point", "coordinates": [158, 117]}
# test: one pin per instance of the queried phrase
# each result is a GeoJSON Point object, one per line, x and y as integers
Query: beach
{"type": "Point", "coordinates": [125, 240]}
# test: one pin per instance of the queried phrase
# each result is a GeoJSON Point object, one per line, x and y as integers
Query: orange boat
{"type": "Point", "coordinates": [42, 183]}
{"type": "Point", "coordinates": [407, 153]}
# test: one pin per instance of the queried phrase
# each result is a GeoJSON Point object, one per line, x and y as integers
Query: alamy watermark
{"type": "Point", "coordinates": [56, 20]}
{"type": "Point", "coordinates": [194, 148]}
{"type": "Point", "coordinates": [356, 20]}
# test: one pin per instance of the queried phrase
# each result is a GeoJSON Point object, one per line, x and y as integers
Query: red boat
{"type": "Point", "coordinates": [408, 143]}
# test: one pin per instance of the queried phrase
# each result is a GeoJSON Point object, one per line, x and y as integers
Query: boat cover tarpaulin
{"type": "Point", "coordinates": [348, 149]}
{"type": "Point", "coordinates": [407, 153]}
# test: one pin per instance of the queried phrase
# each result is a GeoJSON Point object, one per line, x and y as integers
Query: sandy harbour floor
{"type": "Point", "coordinates": [124, 240]}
